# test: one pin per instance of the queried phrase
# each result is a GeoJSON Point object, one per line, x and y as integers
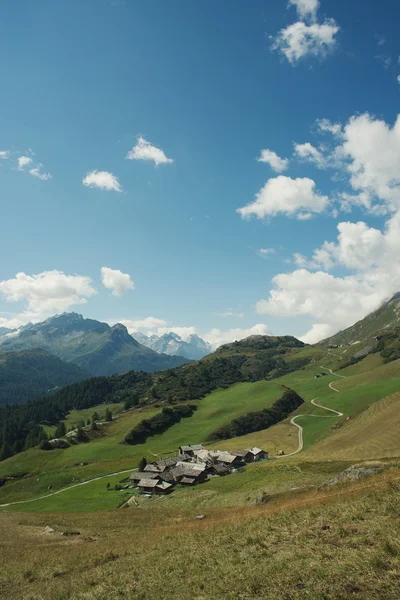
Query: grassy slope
{"type": "Point", "coordinates": [106, 455]}
{"type": "Point", "coordinates": [336, 543]}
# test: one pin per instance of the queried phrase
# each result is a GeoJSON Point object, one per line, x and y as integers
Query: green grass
{"type": "Point", "coordinates": [106, 454]}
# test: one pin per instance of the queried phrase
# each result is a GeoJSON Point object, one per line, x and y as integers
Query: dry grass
{"type": "Point", "coordinates": [337, 543]}
{"type": "Point", "coordinates": [372, 434]}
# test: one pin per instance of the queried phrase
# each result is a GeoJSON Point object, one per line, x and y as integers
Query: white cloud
{"type": "Point", "coordinates": [36, 172]}
{"type": "Point", "coordinates": [309, 153]}
{"type": "Point", "coordinates": [145, 324]}
{"type": "Point", "coordinates": [229, 313]}
{"type": "Point", "coordinates": [115, 280]}
{"type": "Point", "coordinates": [326, 126]}
{"type": "Point", "coordinates": [44, 294]}
{"type": "Point", "coordinates": [300, 40]}
{"type": "Point", "coordinates": [372, 151]}
{"type": "Point", "coordinates": [4, 154]}
{"type": "Point", "coordinates": [24, 161]}
{"type": "Point", "coordinates": [266, 252]}
{"type": "Point", "coordinates": [306, 8]}
{"type": "Point", "coordinates": [146, 151]}
{"type": "Point", "coordinates": [102, 180]}
{"type": "Point", "coordinates": [333, 302]}
{"type": "Point", "coordinates": [398, 78]}
{"type": "Point", "coordinates": [216, 337]}
{"type": "Point", "coordinates": [287, 196]}
{"type": "Point", "coordinates": [276, 163]}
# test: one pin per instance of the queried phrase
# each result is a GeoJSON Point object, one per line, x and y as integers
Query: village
{"type": "Point", "coordinates": [192, 465]}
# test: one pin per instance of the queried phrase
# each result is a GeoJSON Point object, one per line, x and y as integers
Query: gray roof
{"type": "Point", "coordinates": [255, 450]}
{"type": "Point", "coordinates": [137, 476]}
{"type": "Point", "coordinates": [240, 453]}
{"type": "Point", "coordinates": [153, 467]}
{"type": "Point", "coordinates": [188, 480]}
{"type": "Point", "coordinates": [148, 483]}
{"type": "Point", "coordinates": [221, 468]}
{"type": "Point", "coordinates": [226, 457]}
{"type": "Point", "coordinates": [163, 485]}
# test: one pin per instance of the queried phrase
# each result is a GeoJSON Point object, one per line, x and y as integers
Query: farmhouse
{"type": "Point", "coordinates": [258, 454]}
{"type": "Point", "coordinates": [153, 486]}
{"type": "Point", "coordinates": [191, 449]}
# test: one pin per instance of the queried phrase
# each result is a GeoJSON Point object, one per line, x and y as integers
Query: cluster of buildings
{"type": "Point", "coordinates": [193, 464]}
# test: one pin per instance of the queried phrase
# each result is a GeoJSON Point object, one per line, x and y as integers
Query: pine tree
{"type": "Point", "coordinates": [142, 464]}
{"type": "Point", "coordinates": [108, 415]}
{"type": "Point", "coordinates": [88, 422]}
{"type": "Point", "coordinates": [5, 451]}
{"type": "Point", "coordinates": [95, 417]}
{"type": "Point", "coordinates": [61, 430]}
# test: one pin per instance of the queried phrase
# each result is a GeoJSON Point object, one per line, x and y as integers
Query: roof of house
{"type": "Point", "coordinates": [189, 480]}
{"type": "Point", "coordinates": [148, 483]}
{"type": "Point", "coordinates": [203, 454]}
{"type": "Point", "coordinates": [200, 467]}
{"type": "Point", "coordinates": [186, 471]}
{"type": "Point", "coordinates": [138, 475]}
{"type": "Point", "coordinates": [164, 485]}
{"type": "Point", "coordinates": [191, 447]}
{"type": "Point", "coordinates": [240, 453]}
{"type": "Point", "coordinates": [226, 457]}
{"type": "Point", "coordinates": [221, 468]}
{"type": "Point", "coordinates": [255, 450]}
{"type": "Point", "coordinates": [154, 468]}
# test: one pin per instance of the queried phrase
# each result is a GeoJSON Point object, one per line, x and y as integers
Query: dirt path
{"type": "Point", "coordinates": [300, 428]}
{"type": "Point", "coordinates": [67, 488]}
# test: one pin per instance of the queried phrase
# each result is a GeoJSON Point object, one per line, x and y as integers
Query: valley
{"type": "Point", "coordinates": [348, 424]}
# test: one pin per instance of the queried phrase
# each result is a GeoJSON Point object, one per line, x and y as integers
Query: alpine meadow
{"type": "Point", "coordinates": [200, 300]}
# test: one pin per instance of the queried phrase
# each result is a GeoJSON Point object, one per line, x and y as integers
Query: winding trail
{"type": "Point", "coordinates": [300, 428]}
{"type": "Point", "coordinates": [67, 488]}
{"type": "Point", "coordinates": [292, 421]}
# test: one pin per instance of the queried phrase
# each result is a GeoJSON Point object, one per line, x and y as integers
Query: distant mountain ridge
{"type": "Point", "coordinates": [194, 348]}
{"type": "Point", "coordinates": [29, 374]}
{"type": "Point", "coordinates": [93, 346]}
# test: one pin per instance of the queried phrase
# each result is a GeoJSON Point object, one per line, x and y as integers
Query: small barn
{"type": "Point", "coordinates": [258, 453]}
{"type": "Point", "coordinates": [245, 455]}
{"type": "Point", "coordinates": [190, 449]}
{"type": "Point", "coordinates": [230, 460]}
{"type": "Point", "coordinates": [153, 486]}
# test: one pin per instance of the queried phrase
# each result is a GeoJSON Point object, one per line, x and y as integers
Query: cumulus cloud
{"type": "Point", "coordinates": [24, 161]}
{"type": "Point", "coordinates": [293, 197]}
{"type": "Point", "coordinates": [306, 8]}
{"type": "Point", "coordinates": [230, 313]}
{"type": "Point", "coordinates": [372, 151]}
{"type": "Point", "coordinates": [308, 153]}
{"type": "Point", "coordinates": [116, 281]}
{"type": "Point", "coordinates": [145, 324]}
{"type": "Point", "coordinates": [44, 294]}
{"type": "Point", "coordinates": [276, 163]}
{"type": "Point", "coordinates": [299, 40]}
{"type": "Point", "coordinates": [37, 172]}
{"type": "Point", "coordinates": [216, 337]}
{"type": "Point", "coordinates": [4, 154]}
{"type": "Point", "coordinates": [334, 302]}
{"type": "Point", "coordinates": [146, 151]}
{"type": "Point", "coordinates": [326, 126]}
{"type": "Point", "coordinates": [102, 180]}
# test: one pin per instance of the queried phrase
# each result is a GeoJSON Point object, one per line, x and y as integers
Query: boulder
{"type": "Point", "coordinates": [48, 529]}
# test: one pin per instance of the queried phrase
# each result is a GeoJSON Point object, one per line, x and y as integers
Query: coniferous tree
{"type": "Point", "coordinates": [61, 430]}
{"type": "Point", "coordinates": [108, 415]}
{"type": "Point", "coordinates": [5, 451]}
{"type": "Point", "coordinates": [142, 464]}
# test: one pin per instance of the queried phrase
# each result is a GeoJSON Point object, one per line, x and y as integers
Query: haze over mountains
{"type": "Point", "coordinates": [93, 346]}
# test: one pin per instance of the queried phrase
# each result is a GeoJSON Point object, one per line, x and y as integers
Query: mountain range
{"type": "Point", "coordinates": [172, 344]}
{"type": "Point", "coordinates": [93, 346]}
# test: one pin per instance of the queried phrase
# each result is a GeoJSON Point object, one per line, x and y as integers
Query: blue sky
{"type": "Point", "coordinates": [210, 85]}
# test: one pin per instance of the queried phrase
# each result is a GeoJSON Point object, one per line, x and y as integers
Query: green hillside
{"type": "Point", "coordinates": [32, 373]}
{"type": "Point", "coordinates": [386, 317]}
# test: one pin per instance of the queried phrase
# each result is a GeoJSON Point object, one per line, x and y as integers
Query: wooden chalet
{"type": "Point", "coordinates": [190, 449]}
{"type": "Point", "coordinates": [154, 486]}
{"type": "Point", "coordinates": [230, 460]}
{"type": "Point", "coordinates": [258, 453]}
{"type": "Point", "coordinates": [245, 455]}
